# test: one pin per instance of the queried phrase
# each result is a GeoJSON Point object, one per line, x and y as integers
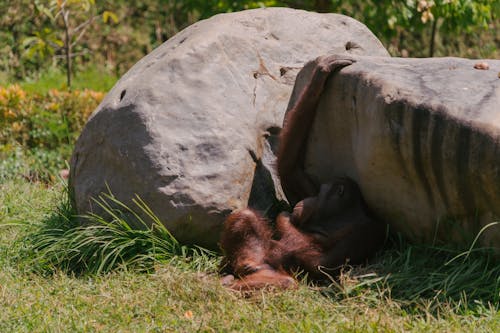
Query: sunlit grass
{"type": "Point", "coordinates": [57, 275]}
{"type": "Point", "coordinates": [93, 78]}
{"type": "Point", "coordinates": [123, 239]}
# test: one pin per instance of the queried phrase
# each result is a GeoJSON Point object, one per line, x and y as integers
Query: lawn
{"type": "Point", "coordinates": [406, 288]}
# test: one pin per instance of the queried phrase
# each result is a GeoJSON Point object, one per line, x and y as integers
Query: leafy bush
{"type": "Point", "coordinates": [32, 36]}
{"type": "Point", "coordinates": [37, 131]}
{"type": "Point", "coordinates": [44, 121]}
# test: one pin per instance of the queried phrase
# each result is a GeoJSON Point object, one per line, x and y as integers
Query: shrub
{"type": "Point", "coordinates": [44, 121]}
{"type": "Point", "coordinates": [37, 131]}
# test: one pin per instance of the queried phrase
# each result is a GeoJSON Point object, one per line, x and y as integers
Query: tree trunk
{"type": "Point", "coordinates": [67, 46]}
{"type": "Point", "coordinates": [67, 49]}
{"type": "Point", "coordinates": [433, 38]}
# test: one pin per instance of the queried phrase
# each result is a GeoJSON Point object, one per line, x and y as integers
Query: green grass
{"type": "Point", "coordinates": [93, 78]}
{"type": "Point", "coordinates": [406, 288]}
{"type": "Point", "coordinates": [61, 242]}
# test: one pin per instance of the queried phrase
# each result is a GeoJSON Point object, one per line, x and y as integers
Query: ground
{"type": "Point", "coordinates": [187, 298]}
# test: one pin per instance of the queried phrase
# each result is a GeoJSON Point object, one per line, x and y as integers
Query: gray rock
{"type": "Point", "coordinates": [422, 139]}
{"type": "Point", "coordinates": [190, 128]}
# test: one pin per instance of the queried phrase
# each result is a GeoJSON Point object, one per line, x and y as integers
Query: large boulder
{"type": "Point", "coordinates": [191, 127]}
{"type": "Point", "coordinates": [421, 137]}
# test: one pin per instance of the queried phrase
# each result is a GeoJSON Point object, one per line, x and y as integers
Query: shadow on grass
{"type": "Point", "coordinates": [425, 278]}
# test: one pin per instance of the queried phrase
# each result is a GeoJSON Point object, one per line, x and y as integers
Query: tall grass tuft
{"type": "Point", "coordinates": [102, 244]}
{"type": "Point", "coordinates": [423, 278]}
{"type": "Point", "coordinates": [441, 274]}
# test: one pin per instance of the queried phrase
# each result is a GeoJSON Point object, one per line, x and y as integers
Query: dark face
{"type": "Point", "coordinates": [337, 203]}
{"type": "Point", "coordinates": [335, 198]}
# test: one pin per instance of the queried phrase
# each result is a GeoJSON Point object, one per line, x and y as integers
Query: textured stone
{"type": "Point", "coordinates": [422, 139]}
{"type": "Point", "coordinates": [190, 127]}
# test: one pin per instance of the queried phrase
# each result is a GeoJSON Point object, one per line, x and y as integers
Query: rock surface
{"type": "Point", "coordinates": [190, 128]}
{"type": "Point", "coordinates": [422, 139]}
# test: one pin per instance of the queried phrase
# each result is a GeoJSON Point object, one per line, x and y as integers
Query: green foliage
{"type": "Point", "coordinates": [41, 45]}
{"type": "Point", "coordinates": [118, 33]}
{"type": "Point", "coordinates": [36, 165]}
{"type": "Point", "coordinates": [124, 239]}
{"type": "Point", "coordinates": [37, 131]}
{"type": "Point", "coordinates": [19, 20]}
{"type": "Point", "coordinates": [68, 23]}
{"type": "Point", "coordinates": [461, 15]}
{"type": "Point", "coordinates": [44, 121]}
{"type": "Point", "coordinates": [426, 28]}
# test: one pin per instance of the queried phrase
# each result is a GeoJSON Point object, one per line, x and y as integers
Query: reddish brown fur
{"type": "Point", "coordinates": [327, 227]}
{"type": "Point", "coordinates": [247, 243]}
